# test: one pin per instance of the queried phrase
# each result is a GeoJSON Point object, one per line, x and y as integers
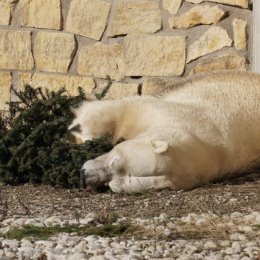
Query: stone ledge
{"type": "Point", "coordinates": [39, 13]}
{"type": "Point", "coordinates": [212, 40]}
{"type": "Point", "coordinates": [101, 61]}
{"type": "Point", "coordinates": [135, 16]}
{"type": "Point", "coordinates": [240, 37]}
{"type": "Point", "coordinates": [172, 6]}
{"type": "Point", "coordinates": [241, 3]}
{"type": "Point", "coordinates": [15, 50]}
{"type": "Point", "coordinates": [197, 15]}
{"type": "Point", "coordinates": [119, 90]}
{"type": "Point", "coordinates": [53, 51]}
{"type": "Point", "coordinates": [154, 55]}
{"type": "Point", "coordinates": [90, 23]}
{"type": "Point", "coordinates": [5, 89]}
{"type": "Point", "coordinates": [5, 11]}
{"type": "Point", "coordinates": [55, 82]}
{"type": "Point", "coordinates": [225, 62]}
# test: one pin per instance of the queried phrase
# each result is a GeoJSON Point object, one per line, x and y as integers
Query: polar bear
{"type": "Point", "coordinates": [202, 129]}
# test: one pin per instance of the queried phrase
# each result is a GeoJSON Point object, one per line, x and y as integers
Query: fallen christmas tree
{"type": "Point", "coordinates": [33, 145]}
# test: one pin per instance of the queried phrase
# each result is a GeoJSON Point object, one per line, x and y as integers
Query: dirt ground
{"type": "Point", "coordinates": [240, 194]}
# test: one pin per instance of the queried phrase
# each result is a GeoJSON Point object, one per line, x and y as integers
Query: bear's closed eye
{"type": "Point", "coordinates": [75, 128]}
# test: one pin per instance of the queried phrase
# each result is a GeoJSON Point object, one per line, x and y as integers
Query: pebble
{"type": "Point", "coordinates": [229, 251]}
{"type": "Point", "coordinates": [210, 245]}
{"type": "Point", "coordinates": [238, 246]}
{"type": "Point", "coordinates": [242, 237]}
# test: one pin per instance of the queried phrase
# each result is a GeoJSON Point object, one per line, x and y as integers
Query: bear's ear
{"type": "Point", "coordinates": [160, 146]}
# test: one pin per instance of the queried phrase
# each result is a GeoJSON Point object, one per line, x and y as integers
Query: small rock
{"type": "Point", "coordinates": [4, 230]}
{"type": "Point", "coordinates": [163, 217]}
{"type": "Point", "coordinates": [167, 232]}
{"type": "Point", "coordinates": [44, 244]}
{"type": "Point", "coordinates": [235, 236]}
{"type": "Point", "coordinates": [229, 251]}
{"type": "Point", "coordinates": [242, 238]}
{"type": "Point", "coordinates": [26, 243]}
{"type": "Point", "coordinates": [186, 258]}
{"type": "Point", "coordinates": [246, 228]}
{"type": "Point", "coordinates": [236, 214]}
{"type": "Point", "coordinates": [98, 257]}
{"type": "Point", "coordinates": [10, 243]}
{"type": "Point", "coordinates": [80, 256]}
{"type": "Point", "coordinates": [236, 247]}
{"type": "Point", "coordinates": [225, 243]}
{"type": "Point", "coordinates": [210, 245]}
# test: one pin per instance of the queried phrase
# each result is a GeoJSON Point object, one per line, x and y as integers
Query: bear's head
{"type": "Point", "coordinates": [91, 120]}
{"type": "Point", "coordinates": [132, 158]}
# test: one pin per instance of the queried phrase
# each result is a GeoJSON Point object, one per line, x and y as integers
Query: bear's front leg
{"type": "Point", "coordinates": [132, 184]}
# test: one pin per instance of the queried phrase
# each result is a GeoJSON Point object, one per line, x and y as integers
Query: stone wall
{"type": "Point", "coordinates": [139, 44]}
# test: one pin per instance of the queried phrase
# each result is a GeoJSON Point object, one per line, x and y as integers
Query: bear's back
{"type": "Point", "coordinates": [228, 102]}
{"type": "Point", "coordinates": [215, 86]}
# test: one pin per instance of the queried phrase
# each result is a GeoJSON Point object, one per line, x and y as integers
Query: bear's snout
{"type": "Point", "coordinates": [95, 173]}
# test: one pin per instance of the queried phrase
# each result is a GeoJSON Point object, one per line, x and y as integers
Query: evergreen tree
{"type": "Point", "coordinates": [35, 148]}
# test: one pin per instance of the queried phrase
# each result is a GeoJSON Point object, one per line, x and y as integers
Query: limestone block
{"type": "Point", "coordinates": [15, 50]}
{"type": "Point", "coordinates": [5, 12]}
{"type": "Point", "coordinates": [135, 16]}
{"type": "Point", "coordinates": [153, 86]}
{"type": "Point", "coordinates": [39, 13]}
{"type": "Point", "coordinates": [212, 40]}
{"type": "Point", "coordinates": [5, 89]}
{"type": "Point", "coordinates": [240, 38]}
{"type": "Point", "coordinates": [226, 62]}
{"type": "Point", "coordinates": [53, 51]}
{"type": "Point", "coordinates": [55, 82]}
{"type": "Point", "coordinates": [241, 3]}
{"type": "Point", "coordinates": [154, 55]}
{"type": "Point", "coordinates": [172, 6]}
{"type": "Point", "coordinates": [201, 14]}
{"type": "Point", "coordinates": [88, 18]}
{"type": "Point", "coordinates": [101, 60]}
{"type": "Point", "coordinates": [119, 90]}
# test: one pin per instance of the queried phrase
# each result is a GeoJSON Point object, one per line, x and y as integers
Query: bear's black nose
{"type": "Point", "coordinates": [82, 178]}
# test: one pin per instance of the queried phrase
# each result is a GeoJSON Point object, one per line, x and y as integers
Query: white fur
{"type": "Point", "coordinates": [204, 129]}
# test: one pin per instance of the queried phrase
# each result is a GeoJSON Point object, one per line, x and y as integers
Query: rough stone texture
{"type": "Point", "coordinates": [15, 50]}
{"type": "Point", "coordinates": [135, 16]}
{"type": "Point", "coordinates": [119, 90]}
{"type": "Point", "coordinates": [172, 6]}
{"type": "Point", "coordinates": [201, 14]}
{"type": "Point", "coordinates": [5, 89]}
{"type": "Point", "coordinates": [154, 55]}
{"type": "Point", "coordinates": [212, 40]}
{"type": "Point", "coordinates": [55, 82]}
{"type": "Point", "coordinates": [5, 12]}
{"type": "Point", "coordinates": [242, 3]}
{"type": "Point", "coordinates": [101, 60]}
{"type": "Point", "coordinates": [121, 39]}
{"type": "Point", "coordinates": [153, 86]}
{"type": "Point", "coordinates": [101, 86]}
{"type": "Point", "coordinates": [39, 13]}
{"type": "Point", "coordinates": [53, 52]}
{"type": "Point", "coordinates": [87, 18]}
{"type": "Point", "coordinates": [226, 62]}
{"type": "Point", "coordinates": [240, 37]}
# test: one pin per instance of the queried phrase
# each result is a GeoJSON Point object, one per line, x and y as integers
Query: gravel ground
{"type": "Point", "coordinates": [218, 222]}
